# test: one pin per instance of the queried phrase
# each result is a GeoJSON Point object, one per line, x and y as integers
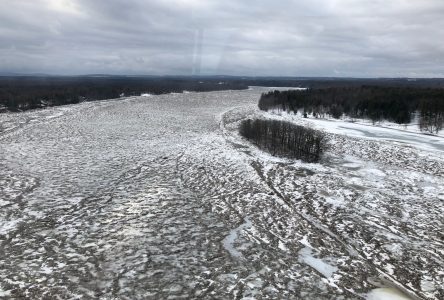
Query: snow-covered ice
{"type": "Point", "coordinates": [306, 256]}
{"type": "Point", "coordinates": [229, 241]}
{"type": "Point", "coordinates": [386, 294]}
{"type": "Point", "coordinates": [158, 197]}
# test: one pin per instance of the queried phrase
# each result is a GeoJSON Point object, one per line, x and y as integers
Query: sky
{"type": "Point", "coordinates": [332, 38]}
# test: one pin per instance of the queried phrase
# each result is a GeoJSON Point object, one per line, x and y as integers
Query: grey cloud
{"type": "Point", "coordinates": [299, 38]}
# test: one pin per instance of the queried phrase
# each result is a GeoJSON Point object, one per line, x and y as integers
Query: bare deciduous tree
{"type": "Point", "coordinates": [285, 139]}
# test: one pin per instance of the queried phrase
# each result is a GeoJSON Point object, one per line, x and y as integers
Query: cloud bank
{"type": "Point", "coordinates": [351, 38]}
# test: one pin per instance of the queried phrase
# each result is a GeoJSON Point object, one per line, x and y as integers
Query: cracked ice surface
{"type": "Point", "coordinates": [158, 197]}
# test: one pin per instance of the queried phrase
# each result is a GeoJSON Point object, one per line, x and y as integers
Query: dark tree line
{"type": "Point", "coordinates": [396, 104]}
{"type": "Point", "coordinates": [331, 82]}
{"type": "Point", "coordinates": [285, 139]}
{"type": "Point", "coordinates": [431, 115]}
{"type": "Point", "coordinates": [23, 93]}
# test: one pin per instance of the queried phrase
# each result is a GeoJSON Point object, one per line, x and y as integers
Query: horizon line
{"type": "Point", "coordinates": [13, 74]}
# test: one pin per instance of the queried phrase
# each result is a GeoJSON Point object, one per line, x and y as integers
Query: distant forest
{"type": "Point", "coordinates": [21, 93]}
{"type": "Point", "coordinates": [377, 103]}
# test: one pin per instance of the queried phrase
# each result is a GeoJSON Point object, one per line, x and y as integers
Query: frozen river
{"type": "Point", "coordinates": [157, 197]}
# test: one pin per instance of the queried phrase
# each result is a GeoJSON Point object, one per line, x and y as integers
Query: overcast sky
{"type": "Point", "coordinates": [359, 38]}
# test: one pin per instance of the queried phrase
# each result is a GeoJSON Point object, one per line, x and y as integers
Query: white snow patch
{"type": "Point", "coordinates": [304, 241]}
{"type": "Point", "coordinates": [427, 285]}
{"type": "Point", "coordinates": [232, 236]}
{"type": "Point", "coordinates": [8, 226]}
{"type": "Point", "coordinates": [282, 246]}
{"type": "Point", "coordinates": [306, 256]}
{"type": "Point", "coordinates": [4, 293]}
{"type": "Point", "coordinates": [46, 269]}
{"type": "Point", "coordinates": [335, 201]}
{"type": "Point", "coordinates": [4, 203]}
{"type": "Point", "coordinates": [386, 294]}
{"type": "Point", "coordinates": [375, 172]}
